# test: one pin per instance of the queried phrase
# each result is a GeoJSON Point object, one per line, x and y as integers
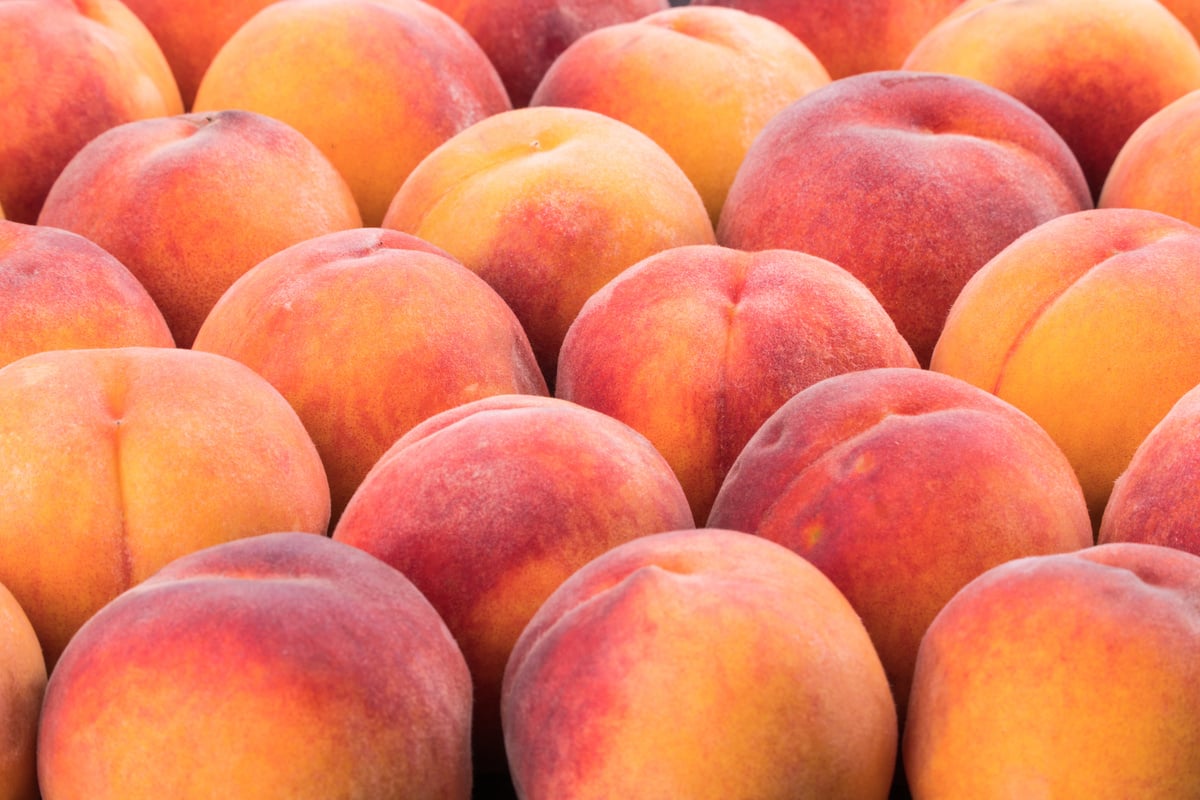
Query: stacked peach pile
{"type": "Point", "coordinates": [562, 399]}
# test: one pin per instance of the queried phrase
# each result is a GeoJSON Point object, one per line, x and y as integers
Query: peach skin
{"type": "Point", "coordinates": [22, 688]}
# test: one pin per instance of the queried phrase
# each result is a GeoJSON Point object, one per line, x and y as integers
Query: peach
{"type": "Point", "coordinates": [368, 332]}
{"type": "Point", "coordinates": [547, 205]}
{"type": "Point", "coordinates": [118, 460]}
{"type": "Point", "coordinates": [489, 506]}
{"type": "Point", "coordinates": [72, 70]}
{"type": "Point", "coordinates": [1093, 69]}
{"type": "Point", "coordinates": [375, 85]}
{"type": "Point", "coordinates": [903, 483]}
{"type": "Point", "coordinates": [1069, 675]}
{"type": "Point", "coordinates": [698, 664]}
{"type": "Point", "coordinates": [522, 38]}
{"type": "Point", "coordinates": [850, 38]}
{"type": "Point", "coordinates": [1089, 324]}
{"type": "Point", "coordinates": [22, 687]}
{"type": "Point", "coordinates": [189, 203]}
{"type": "Point", "coordinates": [283, 665]}
{"type": "Point", "coordinates": [1154, 499]}
{"type": "Point", "coordinates": [1156, 168]}
{"type": "Point", "coordinates": [60, 291]}
{"type": "Point", "coordinates": [911, 181]}
{"type": "Point", "coordinates": [1187, 12]}
{"type": "Point", "coordinates": [702, 82]}
{"type": "Point", "coordinates": [696, 346]}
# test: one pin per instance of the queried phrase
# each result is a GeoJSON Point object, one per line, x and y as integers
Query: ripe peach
{"type": "Point", "coordinates": [698, 664]}
{"type": "Point", "coordinates": [189, 203]}
{"type": "Point", "coordinates": [283, 665]}
{"type": "Point", "coordinates": [702, 82]}
{"type": "Point", "coordinates": [547, 205]}
{"type": "Point", "coordinates": [696, 346]}
{"type": "Point", "coordinates": [1090, 324]}
{"type": "Point", "coordinates": [522, 38]}
{"type": "Point", "coordinates": [1187, 12]}
{"type": "Point", "coordinates": [424, 332]}
{"type": "Point", "coordinates": [488, 506]}
{"type": "Point", "coordinates": [375, 85]}
{"type": "Point", "coordinates": [22, 687]}
{"type": "Point", "coordinates": [903, 483]}
{"type": "Point", "coordinates": [61, 291]}
{"type": "Point", "coordinates": [118, 460]}
{"type": "Point", "coordinates": [1071, 675]}
{"type": "Point", "coordinates": [1093, 69]}
{"type": "Point", "coordinates": [72, 70]}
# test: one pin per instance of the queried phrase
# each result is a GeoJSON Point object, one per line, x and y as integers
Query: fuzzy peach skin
{"type": "Point", "coordinates": [1157, 166]}
{"type": "Point", "coordinates": [375, 85]}
{"type": "Point", "coordinates": [61, 291]}
{"type": "Point", "coordinates": [189, 203]}
{"type": "Point", "coordinates": [1093, 69]}
{"type": "Point", "coordinates": [1073, 675]}
{"type": "Point", "coordinates": [283, 665]}
{"type": "Point", "coordinates": [22, 688]}
{"type": "Point", "coordinates": [547, 205]}
{"type": "Point", "coordinates": [1154, 499]}
{"type": "Point", "coordinates": [1089, 324]}
{"type": "Point", "coordinates": [119, 460]}
{"type": "Point", "coordinates": [911, 181]}
{"type": "Point", "coordinates": [522, 38]}
{"type": "Point", "coordinates": [1187, 12]}
{"type": "Point", "coordinates": [850, 37]}
{"type": "Point", "coordinates": [368, 332]}
{"type": "Point", "coordinates": [72, 70]}
{"type": "Point", "coordinates": [696, 346]}
{"type": "Point", "coordinates": [903, 483]}
{"type": "Point", "coordinates": [488, 506]}
{"type": "Point", "coordinates": [702, 82]}
{"type": "Point", "coordinates": [698, 664]}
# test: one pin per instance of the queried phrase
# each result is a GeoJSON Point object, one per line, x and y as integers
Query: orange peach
{"type": "Point", "coordinates": [118, 460]}
{"type": "Point", "coordinates": [489, 506]}
{"type": "Point", "coordinates": [1071, 675]}
{"type": "Point", "coordinates": [22, 687]}
{"type": "Point", "coordinates": [189, 203]}
{"type": "Point", "coordinates": [1093, 69]}
{"type": "Point", "coordinates": [851, 37]}
{"type": "Point", "coordinates": [283, 665]}
{"type": "Point", "coordinates": [547, 205]}
{"type": "Point", "coordinates": [702, 82]}
{"type": "Point", "coordinates": [1090, 324]}
{"type": "Point", "coordinates": [375, 85]}
{"type": "Point", "coordinates": [522, 38]}
{"type": "Point", "coordinates": [368, 332]}
{"type": "Point", "coordinates": [60, 291]}
{"type": "Point", "coordinates": [911, 181]}
{"type": "Point", "coordinates": [72, 70]}
{"type": "Point", "coordinates": [1187, 12]}
{"type": "Point", "coordinates": [903, 483]}
{"type": "Point", "coordinates": [698, 664]}
{"type": "Point", "coordinates": [696, 346]}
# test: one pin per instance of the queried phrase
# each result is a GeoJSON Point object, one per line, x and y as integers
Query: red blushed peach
{"type": "Point", "coordinates": [702, 82]}
{"type": "Point", "coordinates": [910, 181]}
{"type": "Point", "coordinates": [698, 664]}
{"type": "Point", "coordinates": [522, 38]}
{"type": "Point", "coordinates": [1093, 69]}
{"type": "Point", "coordinates": [903, 483]}
{"type": "Point", "coordinates": [1073, 675]}
{"type": "Point", "coordinates": [60, 291]}
{"type": "Point", "coordinates": [375, 85]}
{"type": "Point", "coordinates": [489, 506]}
{"type": "Point", "coordinates": [119, 460]}
{"type": "Point", "coordinates": [283, 665]}
{"type": "Point", "coordinates": [1090, 324]}
{"type": "Point", "coordinates": [547, 205]}
{"type": "Point", "coordinates": [368, 332]}
{"type": "Point", "coordinates": [189, 203]}
{"type": "Point", "coordinates": [22, 686]}
{"type": "Point", "coordinates": [72, 70]}
{"type": "Point", "coordinates": [695, 347]}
